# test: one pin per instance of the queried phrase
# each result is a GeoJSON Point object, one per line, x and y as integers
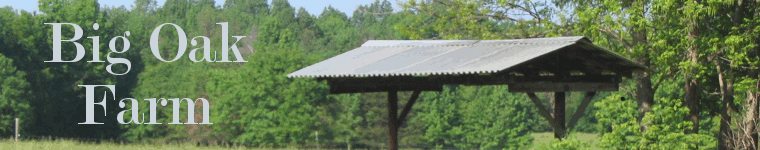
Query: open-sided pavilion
{"type": "Point", "coordinates": [558, 65]}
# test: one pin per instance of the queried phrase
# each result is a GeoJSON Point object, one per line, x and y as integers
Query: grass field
{"type": "Point", "coordinates": [74, 145]}
{"type": "Point", "coordinates": [5, 144]}
{"type": "Point", "coordinates": [546, 138]}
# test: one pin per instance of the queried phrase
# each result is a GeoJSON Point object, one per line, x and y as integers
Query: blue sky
{"type": "Point", "coordinates": [313, 6]}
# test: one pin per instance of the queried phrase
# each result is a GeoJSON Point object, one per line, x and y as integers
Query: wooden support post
{"type": "Point", "coordinates": [392, 120]}
{"type": "Point", "coordinates": [15, 136]}
{"type": "Point", "coordinates": [559, 114]}
{"type": "Point", "coordinates": [316, 136]}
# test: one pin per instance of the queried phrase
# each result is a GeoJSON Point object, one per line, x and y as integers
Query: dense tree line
{"type": "Point", "coordinates": [703, 92]}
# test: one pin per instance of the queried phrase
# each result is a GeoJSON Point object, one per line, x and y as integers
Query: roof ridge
{"type": "Point", "coordinates": [442, 43]}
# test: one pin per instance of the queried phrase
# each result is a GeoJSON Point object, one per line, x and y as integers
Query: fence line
{"type": "Point", "coordinates": [324, 144]}
{"type": "Point", "coordinates": [207, 142]}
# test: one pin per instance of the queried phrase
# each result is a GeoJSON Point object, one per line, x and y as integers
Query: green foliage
{"type": "Point", "coordinates": [476, 19]}
{"type": "Point", "coordinates": [55, 107]}
{"type": "Point", "coordinates": [346, 120]}
{"type": "Point", "coordinates": [261, 106]}
{"type": "Point", "coordinates": [666, 126]}
{"type": "Point", "coordinates": [481, 117]}
{"type": "Point", "coordinates": [14, 95]}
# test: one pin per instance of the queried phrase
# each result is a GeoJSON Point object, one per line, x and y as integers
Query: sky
{"type": "Point", "coordinates": [312, 6]}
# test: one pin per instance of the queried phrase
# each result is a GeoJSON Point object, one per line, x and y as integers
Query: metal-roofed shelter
{"type": "Point", "coordinates": [557, 65]}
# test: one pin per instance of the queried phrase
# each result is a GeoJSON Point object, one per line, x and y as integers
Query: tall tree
{"type": "Point", "coordinates": [627, 30]}
{"type": "Point", "coordinates": [478, 19]}
{"type": "Point", "coordinates": [14, 96]}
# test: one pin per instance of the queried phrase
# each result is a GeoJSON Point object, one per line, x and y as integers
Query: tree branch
{"type": "Point", "coordinates": [659, 81]}
{"type": "Point", "coordinates": [360, 9]}
{"type": "Point", "coordinates": [609, 31]}
{"type": "Point", "coordinates": [628, 91]}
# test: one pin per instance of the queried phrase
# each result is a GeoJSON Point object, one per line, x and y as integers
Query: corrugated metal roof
{"type": "Point", "coordinates": [434, 57]}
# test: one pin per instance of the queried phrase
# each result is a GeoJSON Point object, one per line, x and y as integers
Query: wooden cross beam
{"type": "Point", "coordinates": [435, 83]}
{"type": "Point", "coordinates": [542, 110]}
{"type": "Point", "coordinates": [557, 121]}
{"type": "Point", "coordinates": [407, 107]}
{"type": "Point", "coordinates": [562, 87]}
{"type": "Point", "coordinates": [581, 110]}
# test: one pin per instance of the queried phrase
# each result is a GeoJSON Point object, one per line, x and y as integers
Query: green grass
{"type": "Point", "coordinates": [74, 145]}
{"type": "Point", "coordinates": [546, 138]}
{"type": "Point", "coordinates": [5, 144]}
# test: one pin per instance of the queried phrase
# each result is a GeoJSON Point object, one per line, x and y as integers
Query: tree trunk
{"type": "Point", "coordinates": [691, 100]}
{"type": "Point", "coordinates": [750, 122]}
{"type": "Point", "coordinates": [644, 94]}
{"type": "Point", "coordinates": [691, 96]}
{"type": "Point", "coordinates": [644, 89]}
{"type": "Point", "coordinates": [727, 98]}
{"type": "Point", "coordinates": [756, 99]}
{"type": "Point", "coordinates": [751, 118]}
{"type": "Point", "coordinates": [754, 73]}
